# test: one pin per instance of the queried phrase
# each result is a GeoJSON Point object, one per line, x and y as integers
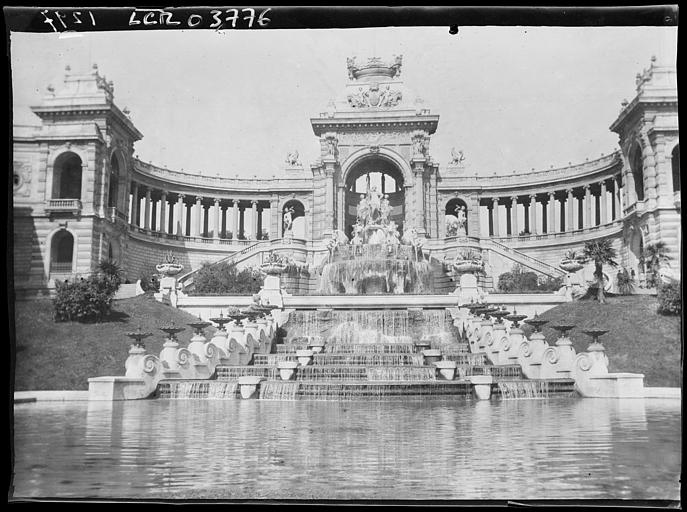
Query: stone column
{"type": "Point", "coordinates": [218, 221]}
{"type": "Point", "coordinates": [569, 208]}
{"type": "Point", "coordinates": [180, 215]}
{"type": "Point", "coordinates": [153, 215]}
{"type": "Point", "coordinates": [254, 219]}
{"type": "Point", "coordinates": [587, 206]}
{"type": "Point", "coordinates": [551, 220]}
{"type": "Point", "coordinates": [495, 214]}
{"type": "Point", "coordinates": [341, 212]}
{"type": "Point", "coordinates": [604, 206]}
{"type": "Point", "coordinates": [274, 218]}
{"type": "Point", "coordinates": [329, 197]}
{"type": "Point", "coordinates": [146, 211]}
{"type": "Point", "coordinates": [533, 214]}
{"type": "Point", "coordinates": [163, 212]}
{"type": "Point", "coordinates": [419, 198]}
{"type": "Point", "coordinates": [135, 205]}
{"type": "Point", "coordinates": [197, 226]}
{"type": "Point", "coordinates": [235, 220]}
{"type": "Point", "coordinates": [514, 230]}
{"type": "Point", "coordinates": [616, 196]}
{"type": "Point", "coordinates": [242, 220]}
{"type": "Point", "coordinates": [260, 210]}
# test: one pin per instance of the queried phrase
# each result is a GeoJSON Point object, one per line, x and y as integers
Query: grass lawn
{"type": "Point", "coordinates": [64, 355]}
{"type": "Point", "coordinates": [639, 339]}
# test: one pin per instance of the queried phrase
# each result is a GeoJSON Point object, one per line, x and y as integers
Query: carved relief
{"type": "Point", "coordinates": [21, 178]}
{"type": "Point", "coordinates": [375, 97]}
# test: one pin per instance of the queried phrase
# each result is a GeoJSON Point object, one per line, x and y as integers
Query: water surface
{"type": "Point", "coordinates": [558, 448]}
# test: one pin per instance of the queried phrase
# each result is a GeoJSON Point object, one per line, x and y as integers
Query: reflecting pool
{"type": "Point", "coordinates": [438, 449]}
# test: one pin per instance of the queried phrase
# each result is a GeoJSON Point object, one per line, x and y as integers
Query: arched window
{"type": "Point", "coordinates": [456, 218]}
{"type": "Point", "coordinates": [637, 167]}
{"type": "Point", "coordinates": [66, 182]}
{"type": "Point", "coordinates": [675, 161]}
{"type": "Point", "coordinates": [293, 219]}
{"type": "Point", "coordinates": [113, 191]}
{"type": "Point", "coordinates": [62, 252]}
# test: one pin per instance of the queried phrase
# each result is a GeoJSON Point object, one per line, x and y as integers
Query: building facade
{"type": "Point", "coordinates": [80, 196]}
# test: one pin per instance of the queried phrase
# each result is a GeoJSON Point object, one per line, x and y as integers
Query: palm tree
{"type": "Point", "coordinates": [601, 252]}
{"type": "Point", "coordinates": [654, 256]}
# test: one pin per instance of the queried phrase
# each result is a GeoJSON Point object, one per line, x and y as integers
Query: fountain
{"type": "Point", "coordinates": [377, 259]}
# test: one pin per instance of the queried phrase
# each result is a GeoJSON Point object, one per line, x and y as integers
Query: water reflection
{"type": "Point", "coordinates": [438, 449]}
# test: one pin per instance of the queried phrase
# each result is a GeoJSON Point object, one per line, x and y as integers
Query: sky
{"type": "Point", "coordinates": [236, 102]}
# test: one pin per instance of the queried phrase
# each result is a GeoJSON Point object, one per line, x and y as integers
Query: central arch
{"type": "Point", "coordinates": [369, 172]}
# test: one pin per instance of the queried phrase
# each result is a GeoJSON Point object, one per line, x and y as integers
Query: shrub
{"type": "Point", "coordinates": [520, 281]}
{"type": "Point", "coordinates": [669, 299]}
{"type": "Point", "coordinates": [85, 299]}
{"type": "Point", "coordinates": [626, 285]}
{"type": "Point", "coordinates": [226, 279]}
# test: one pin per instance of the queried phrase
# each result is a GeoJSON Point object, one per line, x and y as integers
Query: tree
{"type": "Point", "coordinates": [601, 252]}
{"type": "Point", "coordinates": [654, 255]}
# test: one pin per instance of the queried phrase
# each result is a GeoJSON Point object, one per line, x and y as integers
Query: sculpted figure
{"type": "Point", "coordinates": [375, 198]}
{"type": "Point", "coordinates": [418, 147]}
{"type": "Point", "coordinates": [385, 209]}
{"type": "Point", "coordinates": [292, 158]}
{"type": "Point", "coordinates": [462, 218]}
{"type": "Point", "coordinates": [288, 219]}
{"type": "Point", "coordinates": [363, 209]}
{"type": "Point", "coordinates": [456, 157]}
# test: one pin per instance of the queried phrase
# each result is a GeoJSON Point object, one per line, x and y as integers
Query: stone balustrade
{"type": "Point", "coordinates": [198, 361]}
{"type": "Point", "coordinates": [504, 344]}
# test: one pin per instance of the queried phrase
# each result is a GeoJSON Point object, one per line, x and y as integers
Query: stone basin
{"type": "Point", "coordinates": [447, 369]}
{"type": "Point", "coordinates": [287, 369]}
{"type": "Point", "coordinates": [248, 385]}
{"type": "Point", "coordinates": [481, 385]}
{"type": "Point", "coordinates": [304, 356]}
{"type": "Point", "coordinates": [432, 355]}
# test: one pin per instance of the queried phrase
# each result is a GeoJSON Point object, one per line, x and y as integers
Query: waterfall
{"type": "Point", "coordinates": [278, 390]}
{"type": "Point", "coordinates": [212, 389]}
{"type": "Point", "coordinates": [401, 373]}
{"type": "Point", "coordinates": [523, 389]}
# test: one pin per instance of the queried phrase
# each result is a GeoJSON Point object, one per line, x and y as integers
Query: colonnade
{"type": "Point", "coordinates": [175, 213]}
{"type": "Point", "coordinates": [555, 211]}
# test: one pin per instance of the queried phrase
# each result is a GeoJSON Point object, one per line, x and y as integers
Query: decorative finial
{"type": "Point", "coordinates": [50, 88]}
{"type": "Point", "coordinates": [95, 66]}
{"type": "Point", "coordinates": [67, 68]}
{"type": "Point", "coordinates": [126, 111]}
{"type": "Point", "coordinates": [653, 58]}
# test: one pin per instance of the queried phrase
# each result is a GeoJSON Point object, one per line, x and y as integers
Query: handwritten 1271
{"type": "Point", "coordinates": [230, 18]}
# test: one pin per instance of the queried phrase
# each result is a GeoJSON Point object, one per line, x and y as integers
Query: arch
{"type": "Point", "coordinates": [384, 154]}
{"type": "Point", "coordinates": [675, 163]}
{"type": "Point", "coordinates": [377, 177]}
{"type": "Point", "coordinates": [62, 252]}
{"type": "Point", "coordinates": [116, 169]}
{"type": "Point", "coordinates": [637, 168]}
{"type": "Point", "coordinates": [293, 218]}
{"type": "Point", "coordinates": [67, 173]}
{"type": "Point", "coordinates": [456, 217]}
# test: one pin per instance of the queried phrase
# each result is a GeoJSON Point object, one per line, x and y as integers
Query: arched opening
{"type": "Point", "coordinates": [456, 218]}
{"type": "Point", "coordinates": [113, 191]}
{"type": "Point", "coordinates": [66, 183]}
{"type": "Point", "coordinates": [378, 175]}
{"type": "Point", "coordinates": [61, 252]}
{"type": "Point", "coordinates": [675, 161]}
{"type": "Point", "coordinates": [637, 167]}
{"type": "Point", "coordinates": [293, 219]}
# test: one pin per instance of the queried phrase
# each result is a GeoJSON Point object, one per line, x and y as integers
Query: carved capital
{"type": "Point", "coordinates": [254, 202]}
{"type": "Point", "coordinates": [181, 197]}
{"type": "Point", "coordinates": [216, 200]}
{"type": "Point", "coordinates": [569, 191]}
{"type": "Point", "coordinates": [551, 193]}
{"type": "Point", "coordinates": [586, 188]}
{"type": "Point", "coordinates": [235, 203]}
{"type": "Point", "coordinates": [199, 199]}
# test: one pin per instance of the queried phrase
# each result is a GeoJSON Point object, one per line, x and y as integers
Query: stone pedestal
{"type": "Point", "coordinates": [287, 369]}
{"type": "Point", "coordinates": [557, 361]}
{"type": "Point", "coordinates": [447, 369]}
{"type": "Point", "coordinates": [304, 357]}
{"type": "Point", "coordinates": [431, 356]}
{"type": "Point", "coordinates": [248, 386]}
{"type": "Point", "coordinates": [531, 355]}
{"type": "Point", "coordinates": [270, 292]}
{"type": "Point", "coordinates": [481, 386]}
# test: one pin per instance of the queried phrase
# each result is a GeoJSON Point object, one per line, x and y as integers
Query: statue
{"type": "Point", "coordinates": [350, 63]}
{"type": "Point", "coordinates": [418, 147]}
{"type": "Point", "coordinates": [292, 158]}
{"type": "Point", "coordinates": [456, 158]}
{"type": "Point", "coordinates": [385, 209]}
{"type": "Point", "coordinates": [331, 146]}
{"type": "Point", "coordinates": [362, 209]}
{"type": "Point", "coordinates": [375, 202]}
{"type": "Point", "coordinates": [288, 219]}
{"type": "Point", "coordinates": [462, 219]}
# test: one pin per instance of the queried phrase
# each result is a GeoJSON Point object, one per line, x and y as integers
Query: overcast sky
{"type": "Point", "coordinates": [234, 102]}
